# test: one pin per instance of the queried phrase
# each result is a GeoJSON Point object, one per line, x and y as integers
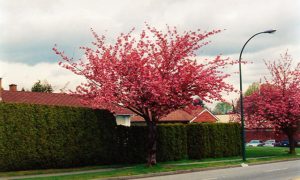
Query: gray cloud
{"type": "Point", "coordinates": [30, 28]}
{"type": "Point", "coordinates": [29, 24]}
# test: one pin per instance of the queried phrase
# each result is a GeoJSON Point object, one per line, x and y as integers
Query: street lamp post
{"type": "Point", "coordinates": [241, 93]}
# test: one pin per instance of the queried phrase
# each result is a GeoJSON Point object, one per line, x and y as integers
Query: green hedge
{"type": "Point", "coordinates": [132, 143]}
{"type": "Point", "coordinates": [172, 142]}
{"type": "Point", "coordinates": [213, 140]}
{"type": "Point", "coordinates": [178, 141]}
{"type": "Point", "coordinates": [34, 136]}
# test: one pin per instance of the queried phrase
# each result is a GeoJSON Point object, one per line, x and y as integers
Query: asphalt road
{"type": "Point", "coordinates": [288, 170]}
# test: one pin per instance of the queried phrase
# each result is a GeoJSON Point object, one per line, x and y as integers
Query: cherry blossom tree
{"type": "Point", "coordinates": [250, 90]}
{"type": "Point", "coordinates": [151, 74]}
{"type": "Point", "coordinates": [276, 103]}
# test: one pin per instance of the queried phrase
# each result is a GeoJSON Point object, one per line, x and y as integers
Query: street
{"type": "Point", "coordinates": [289, 170]}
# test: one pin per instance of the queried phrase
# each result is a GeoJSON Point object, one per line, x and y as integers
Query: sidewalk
{"type": "Point", "coordinates": [141, 175]}
{"type": "Point", "coordinates": [230, 160]}
{"type": "Point", "coordinates": [61, 174]}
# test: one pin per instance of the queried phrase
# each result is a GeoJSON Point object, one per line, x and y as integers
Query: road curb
{"type": "Point", "coordinates": [169, 173]}
{"type": "Point", "coordinates": [191, 170]}
{"type": "Point", "coordinates": [145, 175]}
{"type": "Point", "coordinates": [275, 161]}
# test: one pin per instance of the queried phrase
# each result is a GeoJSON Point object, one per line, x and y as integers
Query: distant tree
{"type": "Point", "coordinates": [42, 87]}
{"type": "Point", "coordinates": [151, 74]}
{"type": "Point", "coordinates": [223, 108]}
{"type": "Point", "coordinates": [277, 102]}
{"type": "Point", "coordinates": [250, 90]}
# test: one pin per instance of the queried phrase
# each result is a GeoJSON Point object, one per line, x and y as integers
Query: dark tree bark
{"type": "Point", "coordinates": [152, 142]}
{"type": "Point", "coordinates": [290, 132]}
{"type": "Point", "coordinates": [291, 142]}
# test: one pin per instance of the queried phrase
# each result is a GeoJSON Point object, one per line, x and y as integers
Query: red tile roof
{"type": "Point", "coordinates": [184, 115]}
{"type": "Point", "coordinates": [59, 99]}
{"type": "Point", "coordinates": [56, 99]}
{"type": "Point", "coordinates": [179, 115]}
{"type": "Point", "coordinates": [124, 112]}
{"type": "Point", "coordinates": [205, 117]}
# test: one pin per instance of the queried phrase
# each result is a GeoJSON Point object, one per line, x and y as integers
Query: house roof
{"type": "Point", "coordinates": [123, 111]}
{"type": "Point", "coordinates": [179, 115]}
{"type": "Point", "coordinates": [62, 99]}
{"type": "Point", "coordinates": [198, 114]}
{"type": "Point", "coordinates": [55, 99]}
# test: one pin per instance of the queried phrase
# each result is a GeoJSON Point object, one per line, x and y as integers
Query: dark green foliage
{"type": "Point", "coordinates": [198, 145]}
{"type": "Point", "coordinates": [213, 140]}
{"type": "Point", "coordinates": [172, 142]}
{"type": "Point", "coordinates": [34, 136]}
{"type": "Point", "coordinates": [178, 141]}
{"type": "Point", "coordinates": [132, 144]}
{"type": "Point", "coordinates": [42, 87]}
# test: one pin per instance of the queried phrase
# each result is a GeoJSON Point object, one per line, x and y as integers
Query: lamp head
{"type": "Point", "coordinates": [270, 31]}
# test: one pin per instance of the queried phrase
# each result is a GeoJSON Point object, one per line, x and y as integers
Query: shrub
{"type": "Point", "coordinates": [131, 144]}
{"type": "Point", "coordinates": [172, 144]}
{"type": "Point", "coordinates": [36, 136]}
{"type": "Point", "coordinates": [213, 140]}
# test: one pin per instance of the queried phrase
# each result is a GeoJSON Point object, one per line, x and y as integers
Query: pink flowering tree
{"type": "Point", "coordinates": [151, 74]}
{"type": "Point", "coordinates": [276, 103]}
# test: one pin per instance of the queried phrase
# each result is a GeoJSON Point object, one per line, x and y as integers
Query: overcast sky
{"type": "Point", "coordinates": [30, 28]}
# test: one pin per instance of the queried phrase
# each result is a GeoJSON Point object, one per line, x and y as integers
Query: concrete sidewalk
{"type": "Point", "coordinates": [145, 175]}
{"type": "Point", "coordinates": [61, 174]}
{"type": "Point", "coordinates": [229, 160]}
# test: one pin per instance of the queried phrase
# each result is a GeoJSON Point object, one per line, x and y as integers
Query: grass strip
{"type": "Point", "coordinates": [143, 170]}
{"type": "Point", "coordinates": [254, 155]}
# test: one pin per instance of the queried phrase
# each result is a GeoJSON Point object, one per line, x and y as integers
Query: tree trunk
{"type": "Point", "coordinates": [292, 143]}
{"type": "Point", "coordinates": [152, 141]}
